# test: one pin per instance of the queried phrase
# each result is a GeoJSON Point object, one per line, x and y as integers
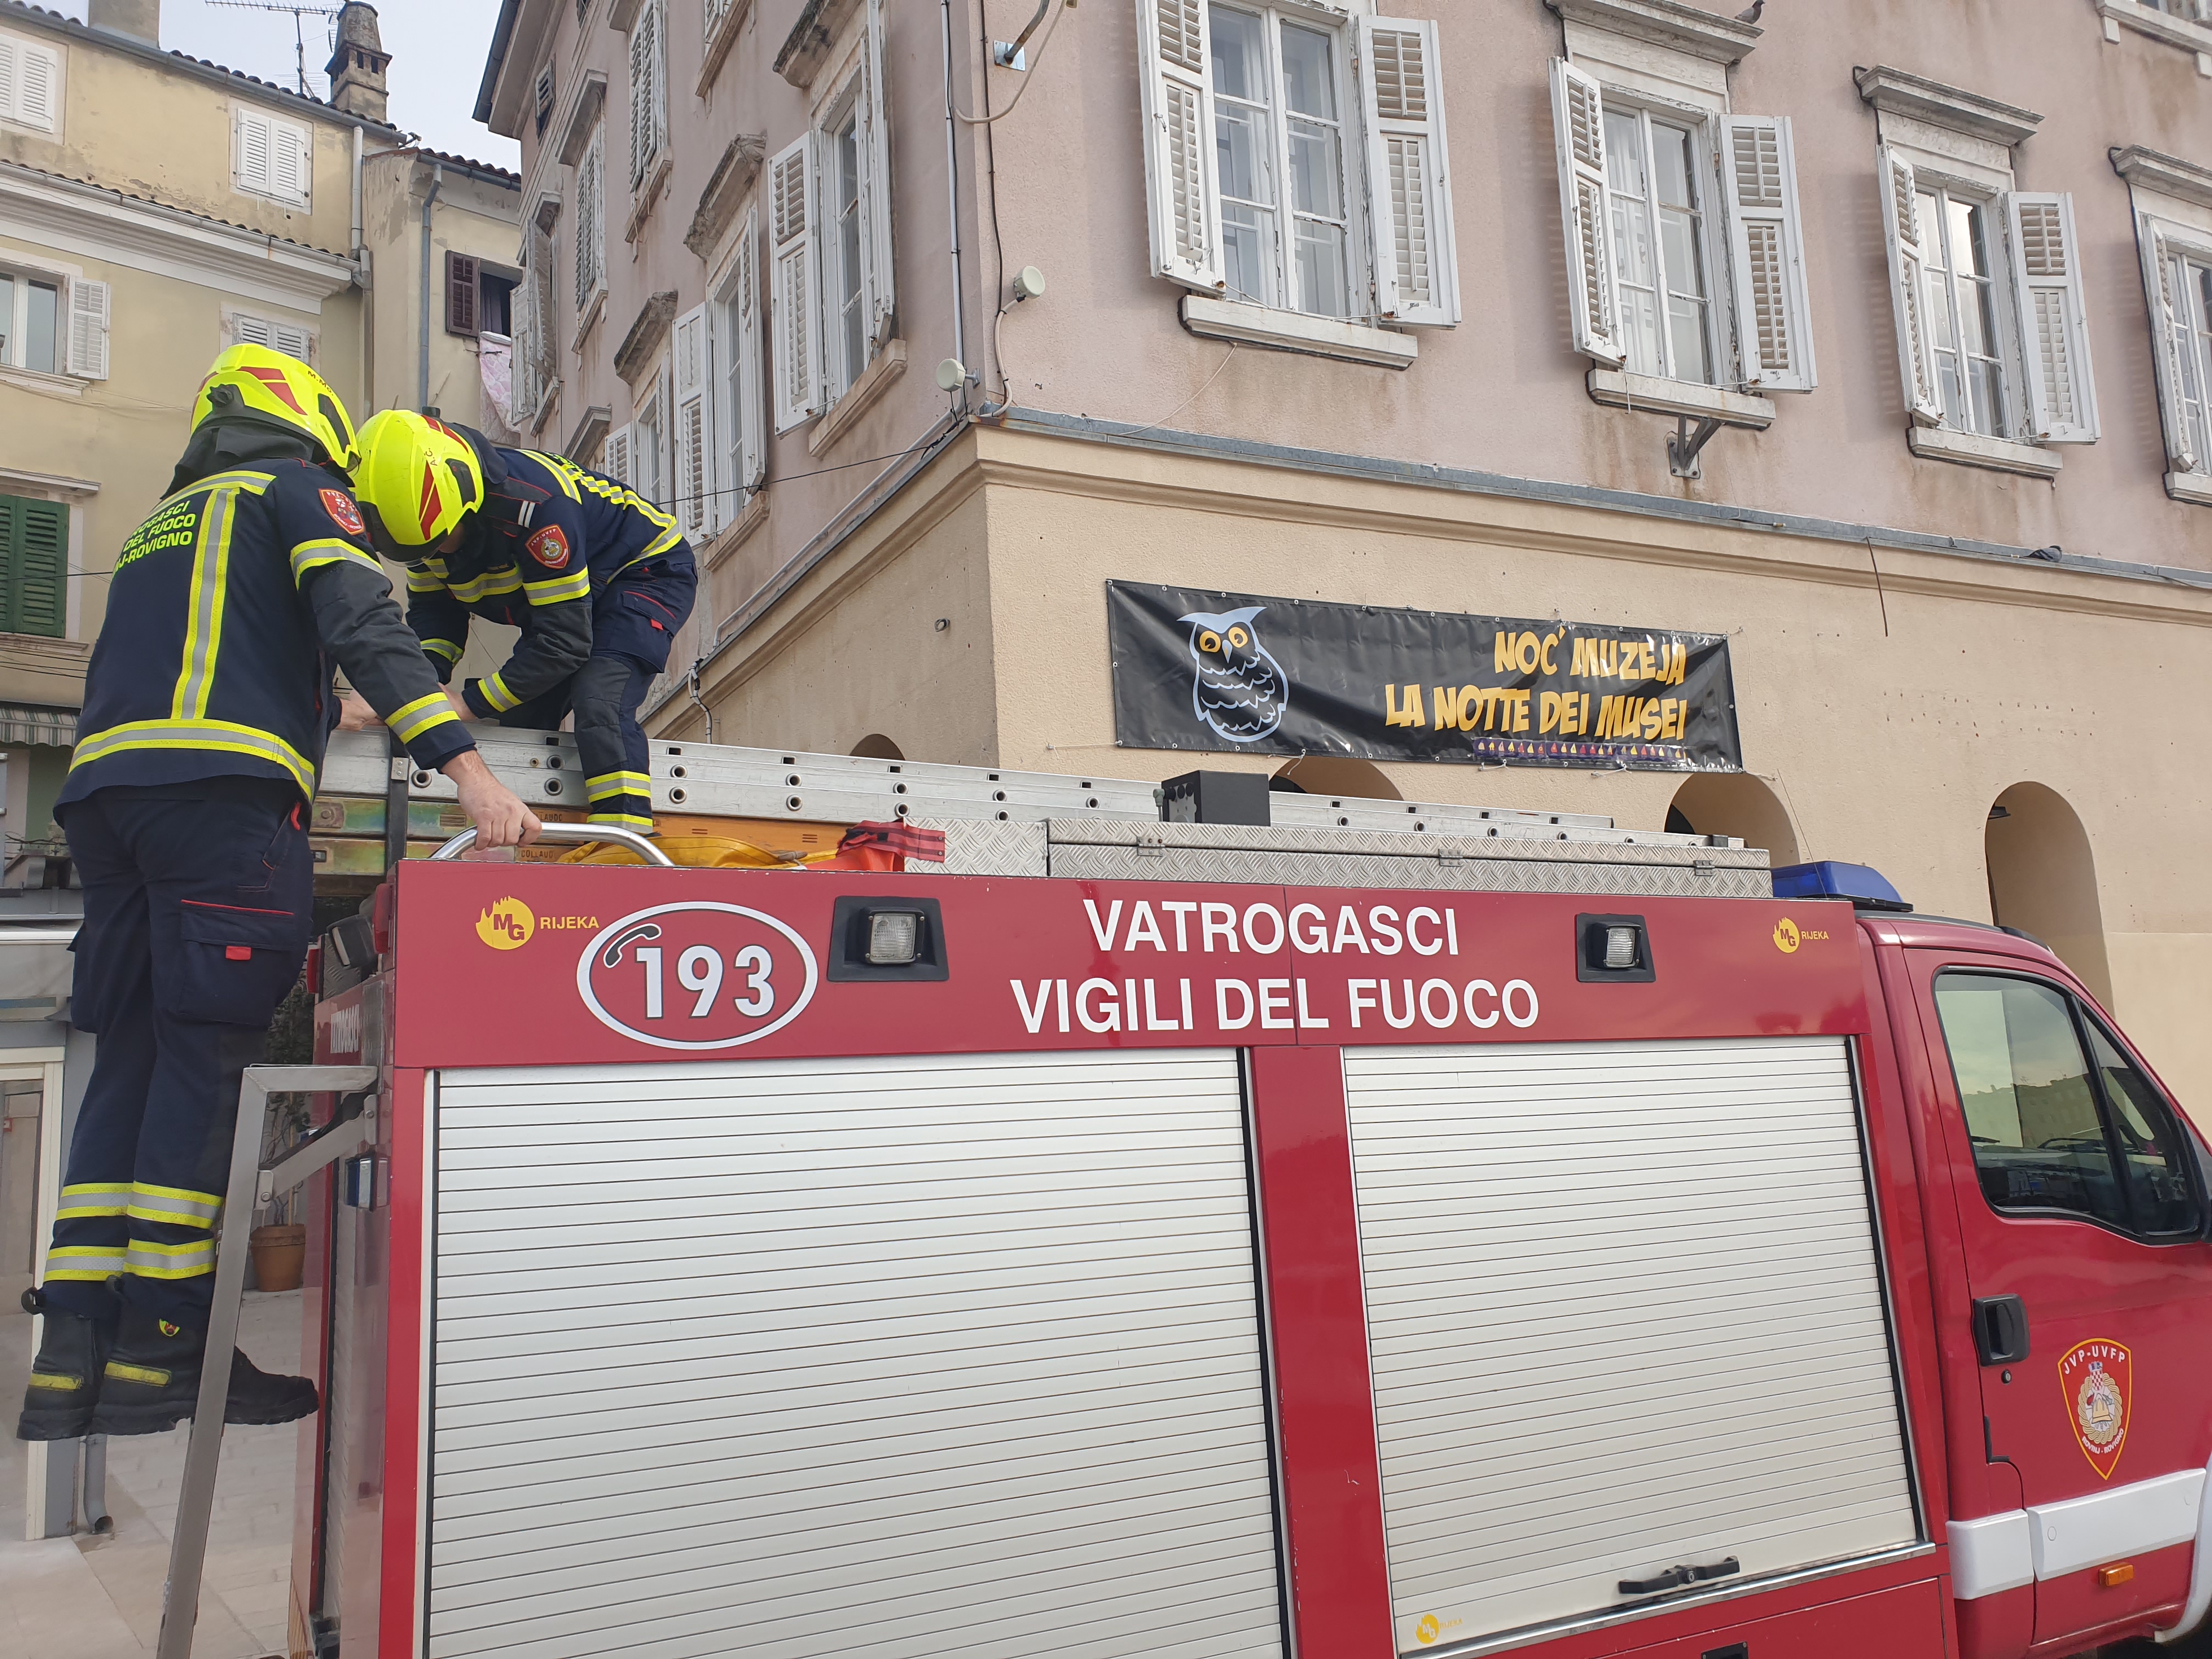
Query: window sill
{"type": "Point", "coordinates": [546, 404]}
{"type": "Point", "coordinates": [1940, 443]}
{"type": "Point", "coordinates": [2175, 31]}
{"type": "Point", "coordinates": [739, 531]}
{"type": "Point", "coordinates": [719, 47]}
{"type": "Point", "coordinates": [875, 378]}
{"type": "Point", "coordinates": [589, 318]}
{"type": "Point", "coordinates": [2189, 487]}
{"type": "Point", "coordinates": [648, 193]}
{"type": "Point", "coordinates": [1292, 331]}
{"type": "Point", "coordinates": [32, 380]}
{"type": "Point", "coordinates": [1616, 388]}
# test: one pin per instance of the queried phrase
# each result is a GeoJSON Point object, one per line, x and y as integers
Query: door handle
{"type": "Point", "coordinates": [2000, 1329]}
{"type": "Point", "coordinates": [1676, 1578]}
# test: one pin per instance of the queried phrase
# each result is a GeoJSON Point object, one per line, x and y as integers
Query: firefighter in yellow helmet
{"type": "Point", "coordinates": [598, 579]}
{"type": "Point", "coordinates": [207, 702]}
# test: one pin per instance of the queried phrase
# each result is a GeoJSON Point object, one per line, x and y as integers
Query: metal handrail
{"type": "Point", "coordinates": [582, 834]}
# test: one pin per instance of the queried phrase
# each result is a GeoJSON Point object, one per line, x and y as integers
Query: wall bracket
{"type": "Point", "coordinates": [1682, 448]}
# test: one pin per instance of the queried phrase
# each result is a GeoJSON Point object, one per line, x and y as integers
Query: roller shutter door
{"type": "Point", "coordinates": [1625, 1314]}
{"type": "Point", "coordinates": [911, 1357]}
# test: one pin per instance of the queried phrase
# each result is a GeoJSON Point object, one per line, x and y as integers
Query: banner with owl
{"type": "Point", "coordinates": [1197, 669]}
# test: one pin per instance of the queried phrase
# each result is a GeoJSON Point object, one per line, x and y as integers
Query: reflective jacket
{"type": "Point", "coordinates": [228, 610]}
{"type": "Point", "coordinates": [541, 554]}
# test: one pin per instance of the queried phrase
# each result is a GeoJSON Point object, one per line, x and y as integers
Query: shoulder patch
{"type": "Point", "coordinates": [549, 547]}
{"type": "Point", "coordinates": [340, 506]}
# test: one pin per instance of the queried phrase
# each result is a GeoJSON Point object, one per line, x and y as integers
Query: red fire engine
{"type": "Point", "coordinates": [1264, 1256]}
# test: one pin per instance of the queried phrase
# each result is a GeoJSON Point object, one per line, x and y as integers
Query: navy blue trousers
{"type": "Point", "coordinates": [197, 909]}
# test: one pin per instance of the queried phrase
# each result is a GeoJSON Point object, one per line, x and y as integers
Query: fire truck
{"type": "Point", "coordinates": [1074, 1218]}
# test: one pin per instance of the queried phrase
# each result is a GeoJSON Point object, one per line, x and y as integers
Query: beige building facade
{"type": "Point", "coordinates": [154, 209]}
{"type": "Point", "coordinates": [1877, 340]}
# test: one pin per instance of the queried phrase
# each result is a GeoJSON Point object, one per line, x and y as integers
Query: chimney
{"type": "Point", "coordinates": [141, 20]}
{"type": "Point", "coordinates": [357, 64]}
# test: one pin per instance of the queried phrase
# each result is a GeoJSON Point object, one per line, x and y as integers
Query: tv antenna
{"type": "Point", "coordinates": [299, 27]}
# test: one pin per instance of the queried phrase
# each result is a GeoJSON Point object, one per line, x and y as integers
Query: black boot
{"type": "Point", "coordinates": [65, 1377]}
{"type": "Point", "coordinates": [152, 1381]}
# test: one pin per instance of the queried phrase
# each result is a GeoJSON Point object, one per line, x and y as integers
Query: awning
{"type": "Point", "coordinates": [21, 723]}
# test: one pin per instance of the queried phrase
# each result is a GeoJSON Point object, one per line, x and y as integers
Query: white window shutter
{"type": "Point", "coordinates": [659, 78]}
{"type": "Point", "coordinates": [1408, 183]}
{"type": "Point", "coordinates": [249, 331]}
{"type": "Point", "coordinates": [253, 143]}
{"type": "Point", "coordinates": [646, 82]}
{"type": "Point", "coordinates": [793, 314]}
{"type": "Point", "coordinates": [2158, 257]}
{"type": "Point", "coordinates": [1586, 207]}
{"type": "Point", "coordinates": [591, 221]}
{"type": "Point", "coordinates": [2054, 322]}
{"type": "Point", "coordinates": [1908, 289]}
{"type": "Point", "coordinates": [37, 82]}
{"type": "Point", "coordinates": [1766, 241]}
{"type": "Point", "coordinates": [88, 329]}
{"type": "Point", "coordinates": [292, 340]}
{"type": "Point", "coordinates": [1182, 186]}
{"type": "Point", "coordinates": [752, 440]}
{"type": "Point", "coordinates": [291, 163]}
{"type": "Point", "coordinates": [614, 455]}
{"type": "Point", "coordinates": [692, 432]}
{"type": "Point", "coordinates": [878, 258]}
{"type": "Point", "coordinates": [11, 81]}
{"type": "Point", "coordinates": [544, 315]}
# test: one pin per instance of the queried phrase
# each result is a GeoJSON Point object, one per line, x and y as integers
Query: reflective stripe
{"type": "Point", "coordinates": [152, 1375]}
{"type": "Point", "coordinates": [496, 694]}
{"type": "Point", "coordinates": [626, 820]}
{"type": "Point", "coordinates": [253, 484]}
{"type": "Point", "coordinates": [178, 1205]}
{"type": "Point", "coordinates": [84, 1261]}
{"type": "Point", "coordinates": [421, 581]}
{"type": "Point", "coordinates": [661, 543]}
{"type": "Point", "coordinates": [617, 783]}
{"type": "Point", "coordinates": [309, 555]}
{"type": "Point", "coordinates": [227, 736]}
{"type": "Point", "coordinates": [89, 1199]}
{"type": "Point", "coordinates": [149, 1260]}
{"type": "Point", "coordinates": [203, 628]}
{"type": "Point", "coordinates": [158, 1209]}
{"type": "Point", "coordinates": [482, 588]}
{"type": "Point", "coordinates": [420, 715]}
{"type": "Point", "coordinates": [575, 585]}
{"type": "Point", "coordinates": [61, 1384]}
{"type": "Point", "coordinates": [446, 648]}
{"type": "Point", "coordinates": [560, 469]}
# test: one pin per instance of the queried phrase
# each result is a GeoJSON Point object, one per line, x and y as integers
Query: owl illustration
{"type": "Point", "coordinates": [1238, 690]}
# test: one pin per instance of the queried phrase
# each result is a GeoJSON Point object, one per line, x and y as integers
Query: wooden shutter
{"type": "Point", "coordinates": [752, 438]}
{"type": "Point", "coordinates": [33, 567]}
{"type": "Point", "coordinates": [88, 329]}
{"type": "Point", "coordinates": [291, 163]}
{"type": "Point", "coordinates": [11, 81]}
{"type": "Point", "coordinates": [30, 84]}
{"type": "Point", "coordinates": [644, 53]}
{"type": "Point", "coordinates": [2054, 322]}
{"type": "Point", "coordinates": [543, 315]}
{"type": "Point", "coordinates": [2167, 338]}
{"type": "Point", "coordinates": [591, 221]}
{"type": "Point", "coordinates": [1758, 174]}
{"type": "Point", "coordinates": [794, 316]}
{"type": "Point", "coordinates": [1408, 187]}
{"type": "Point", "coordinates": [614, 455]}
{"type": "Point", "coordinates": [693, 446]}
{"type": "Point", "coordinates": [1175, 81]}
{"type": "Point", "coordinates": [254, 142]}
{"type": "Point", "coordinates": [877, 206]}
{"type": "Point", "coordinates": [1908, 288]}
{"type": "Point", "coordinates": [461, 295]}
{"type": "Point", "coordinates": [1586, 206]}
{"type": "Point", "coordinates": [292, 340]}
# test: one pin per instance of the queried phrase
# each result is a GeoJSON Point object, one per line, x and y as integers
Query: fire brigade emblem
{"type": "Point", "coordinates": [1786, 936]}
{"type": "Point", "coordinates": [2096, 1378]}
{"type": "Point", "coordinates": [347, 516]}
{"type": "Point", "coordinates": [549, 547]}
{"type": "Point", "coordinates": [506, 925]}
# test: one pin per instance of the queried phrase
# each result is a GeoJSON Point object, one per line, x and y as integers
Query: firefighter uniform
{"type": "Point", "coordinates": [207, 702]}
{"type": "Point", "coordinates": [598, 579]}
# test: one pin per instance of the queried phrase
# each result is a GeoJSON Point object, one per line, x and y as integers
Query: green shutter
{"type": "Point", "coordinates": [33, 567]}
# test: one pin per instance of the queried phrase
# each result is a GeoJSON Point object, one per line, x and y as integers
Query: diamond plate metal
{"type": "Point", "coordinates": [985, 846]}
{"type": "Point", "coordinates": [1494, 875]}
{"type": "Point", "coordinates": [1504, 841]}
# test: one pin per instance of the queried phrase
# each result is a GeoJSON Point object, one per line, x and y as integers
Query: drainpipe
{"type": "Point", "coordinates": [422, 359]}
{"type": "Point", "coordinates": [356, 249]}
{"type": "Point", "coordinates": [952, 197]}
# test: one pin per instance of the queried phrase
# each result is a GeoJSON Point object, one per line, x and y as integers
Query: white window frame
{"type": "Point", "coordinates": [736, 347]}
{"type": "Point", "coordinates": [15, 328]}
{"type": "Point", "coordinates": [29, 67]}
{"type": "Point", "coordinates": [278, 333]}
{"type": "Point", "coordinates": [649, 459]}
{"type": "Point", "coordinates": [288, 183]}
{"type": "Point", "coordinates": [2186, 267]}
{"type": "Point", "coordinates": [2171, 234]}
{"type": "Point", "coordinates": [1705, 178]}
{"type": "Point", "coordinates": [2004, 323]}
{"type": "Point", "coordinates": [1401, 264]}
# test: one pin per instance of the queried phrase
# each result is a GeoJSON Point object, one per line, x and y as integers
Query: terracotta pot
{"type": "Point", "coordinates": [279, 1255]}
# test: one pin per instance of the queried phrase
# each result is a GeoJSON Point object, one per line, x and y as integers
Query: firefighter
{"type": "Point", "coordinates": [598, 579]}
{"type": "Point", "coordinates": [208, 703]}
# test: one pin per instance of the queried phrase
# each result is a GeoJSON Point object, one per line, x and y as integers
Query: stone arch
{"type": "Point", "coordinates": [877, 746]}
{"type": "Point", "coordinates": [1336, 775]}
{"type": "Point", "coordinates": [2043, 879]}
{"type": "Point", "coordinates": [1734, 804]}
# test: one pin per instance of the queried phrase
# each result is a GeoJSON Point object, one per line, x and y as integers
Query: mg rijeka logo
{"type": "Point", "coordinates": [506, 924]}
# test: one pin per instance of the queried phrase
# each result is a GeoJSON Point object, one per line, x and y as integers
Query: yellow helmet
{"type": "Point", "coordinates": [271, 388]}
{"type": "Point", "coordinates": [417, 479]}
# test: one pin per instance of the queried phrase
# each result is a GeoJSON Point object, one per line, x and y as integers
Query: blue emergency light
{"type": "Point", "coordinates": [1832, 878]}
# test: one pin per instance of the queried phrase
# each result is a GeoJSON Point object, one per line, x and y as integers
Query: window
{"type": "Point", "coordinates": [591, 233]}
{"type": "Point", "coordinates": [291, 338]}
{"type": "Point", "coordinates": [1991, 327]}
{"type": "Point", "coordinates": [464, 296]}
{"type": "Point", "coordinates": [537, 371]}
{"type": "Point", "coordinates": [648, 93]}
{"type": "Point", "coordinates": [2055, 1126]}
{"type": "Point", "coordinates": [831, 301]}
{"type": "Point", "coordinates": [33, 567]}
{"type": "Point", "coordinates": [273, 158]}
{"type": "Point", "coordinates": [1657, 201]}
{"type": "Point", "coordinates": [2177, 268]}
{"type": "Point", "coordinates": [647, 476]}
{"type": "Point", "coordinates": [30, 84]}
{"type": "Point", "coordinates": [30, 323]}
{"type": "Point", "coordinates": [544, 98]}
{"type": "Point", "coordinates": [735, 415]}
{"type": "Point", "coordinates": [1298, 164]}
{"type": "Point", "coordinates": [614, 455]}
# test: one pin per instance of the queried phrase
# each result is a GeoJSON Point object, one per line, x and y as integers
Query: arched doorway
{"type": "Point", "coordinates": [2043, 879]}
{"type": "Point", "coordinates": [877, 746]}
{"type": "Point", "coordinates": [1734, 804]}
{"type": "Point", "coordinates": [1335, 775]}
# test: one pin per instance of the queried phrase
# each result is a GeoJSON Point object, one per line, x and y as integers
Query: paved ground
{"type": "Point", "coordinates": [101, 1598]}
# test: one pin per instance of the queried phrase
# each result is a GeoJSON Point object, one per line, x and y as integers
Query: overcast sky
{"type": "Point", "coordinates": [437, 49]}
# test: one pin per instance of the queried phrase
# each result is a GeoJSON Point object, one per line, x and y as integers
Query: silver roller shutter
{"type": "Point", "coordinates": [909, 1357]}
{"type": "Point", "coordinates": [1625, 1312]}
